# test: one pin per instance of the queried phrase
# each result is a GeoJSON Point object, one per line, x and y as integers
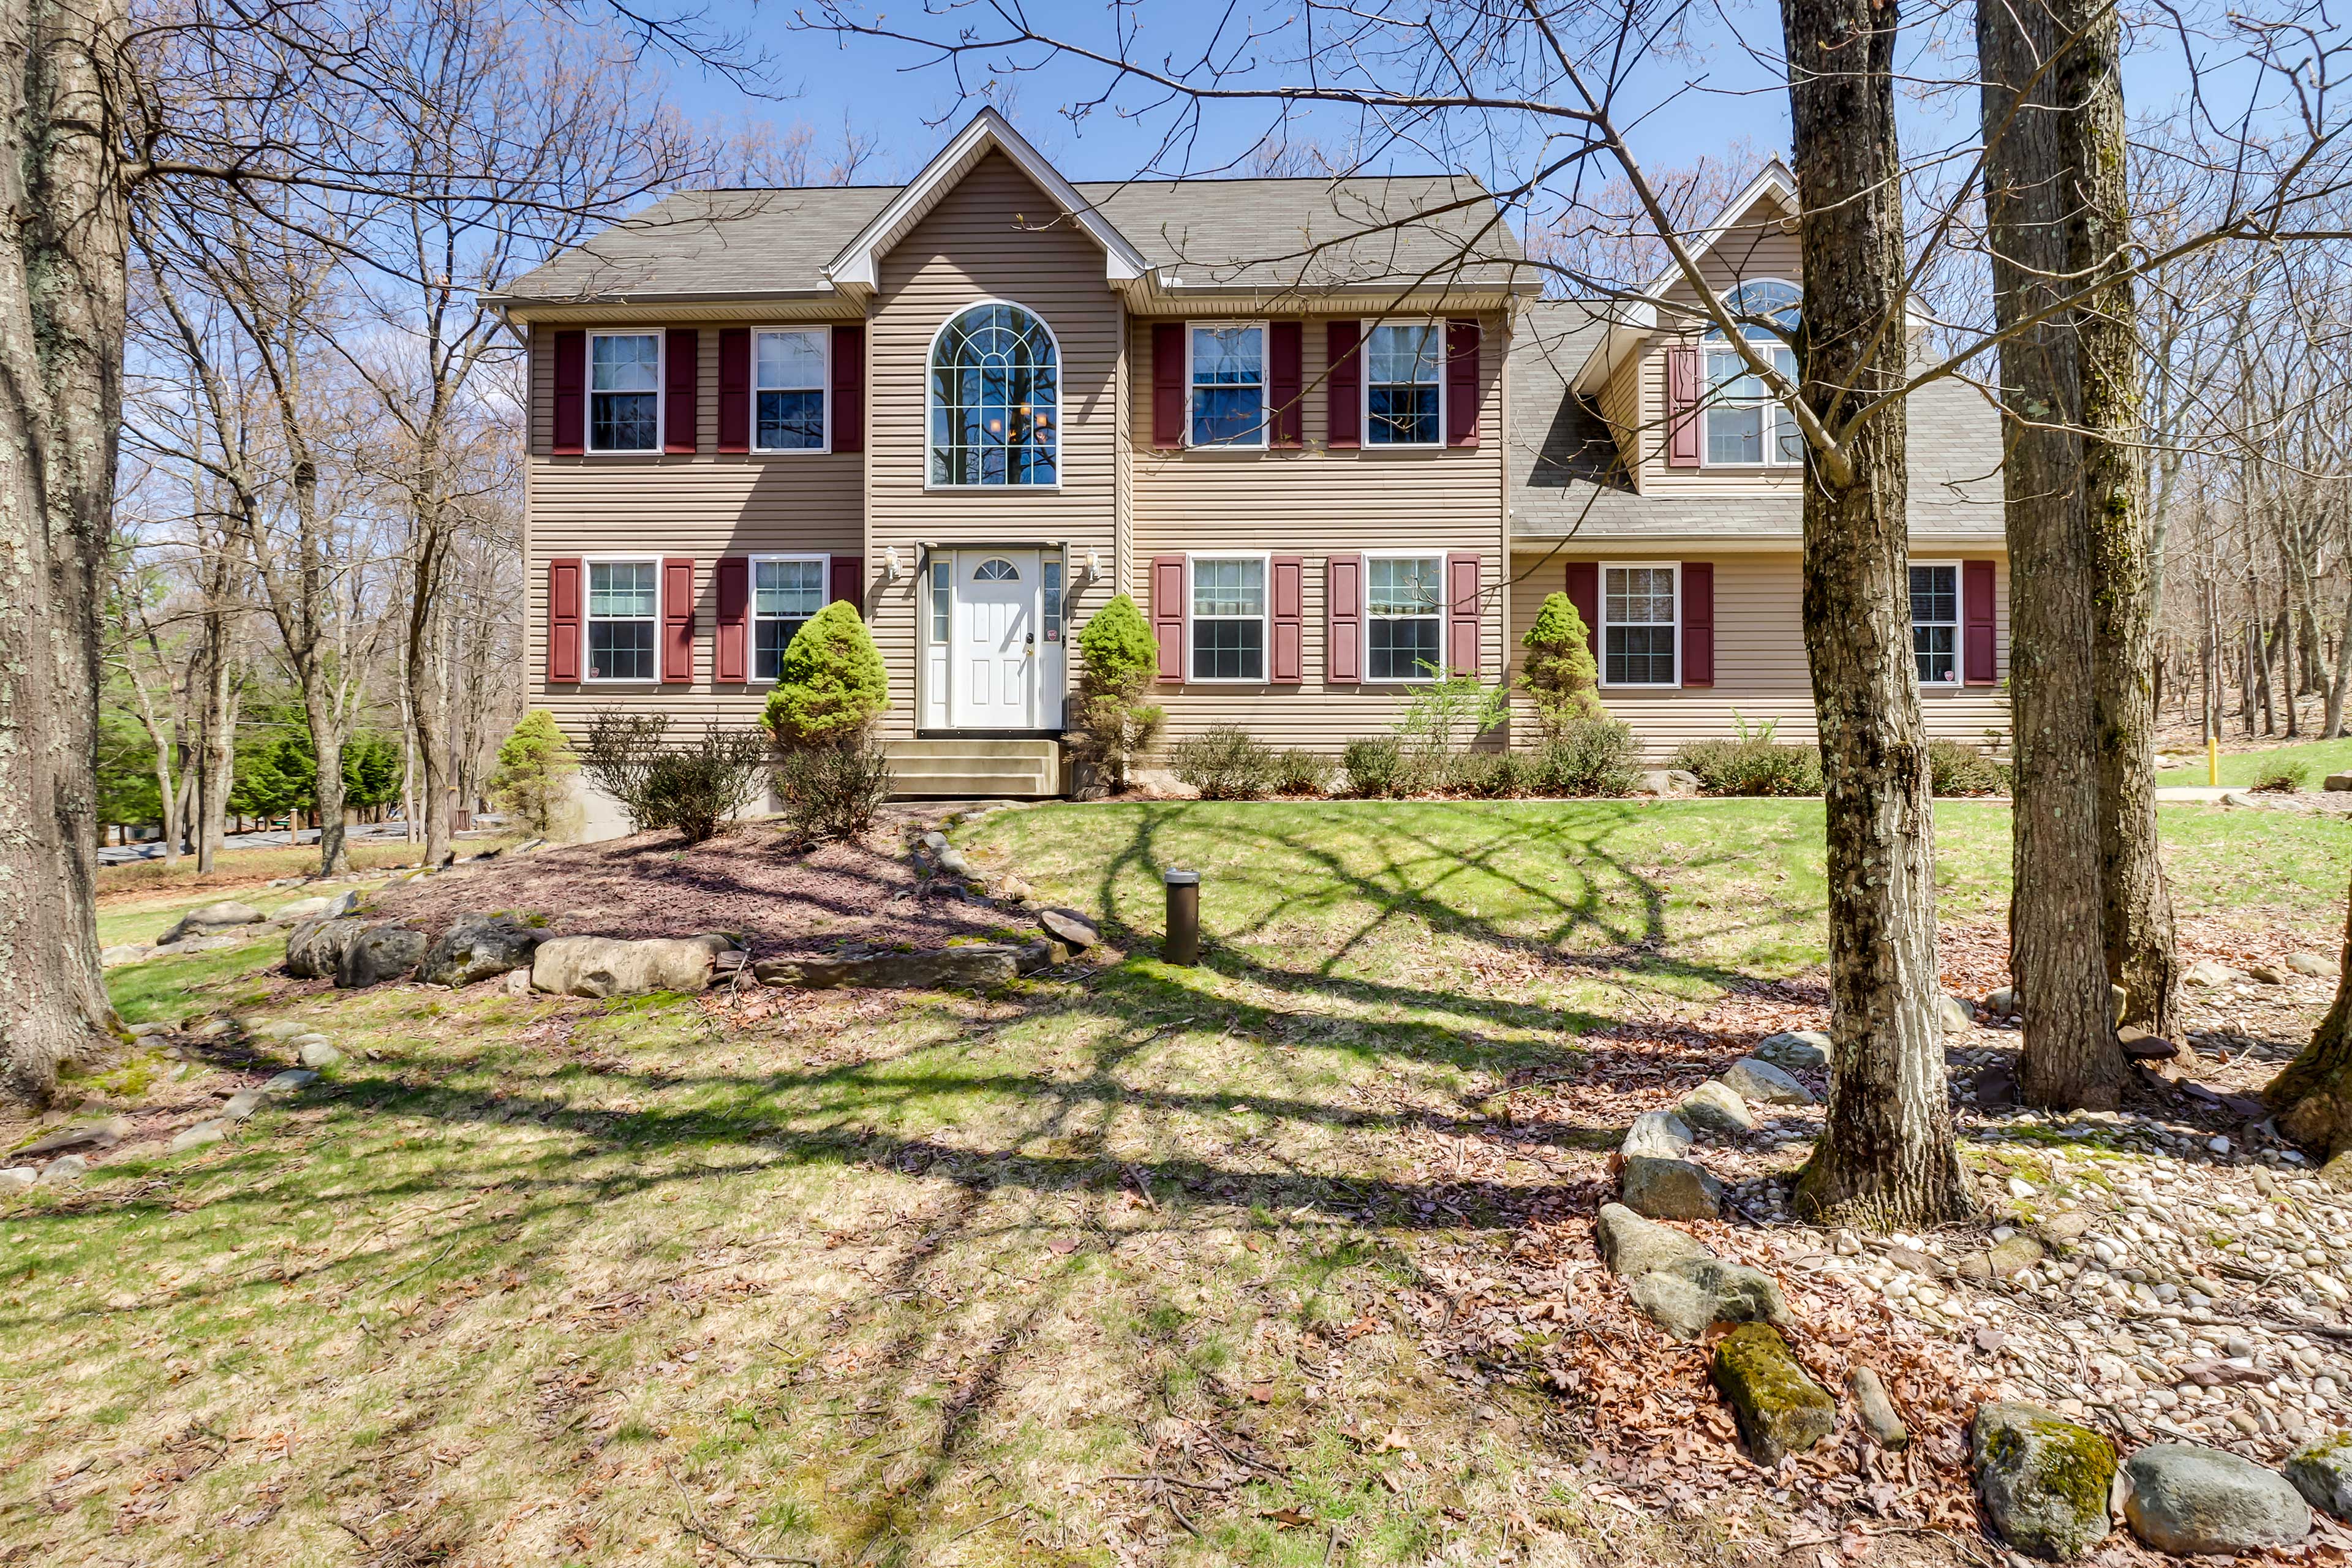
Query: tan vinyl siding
{"type": "Point", "coordinates": [1314, 503]}
{"type": "Point", "coordinates": [991, 238]}
{"type": "Point", "coordinates": [1761, 673]}
{"type": "Point", "coordinates": [1626, 409]}
{"type": "Point", "coordinates": [704, 506]}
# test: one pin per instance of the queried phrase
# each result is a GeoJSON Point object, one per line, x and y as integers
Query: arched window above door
{"type": "Point", "coordinates": [996, 569]}
{"type": "Point", "coordinates": [995, 399]}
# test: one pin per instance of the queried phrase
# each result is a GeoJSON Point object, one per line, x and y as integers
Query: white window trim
{"type": "Point", "coordinates": [1959, 626]}
{"type": "Point", "coordinates": [1364, 378]}
{"type": "Point", "coordinates": [931, 393]}
{"type": "Point", "coordinates": [823, 331]}
{"type": "Point", "coordinates": [1677, 645]}
{"type": "Point", "coordinates": [1264, 617]}
{"type": "Point", "coordinates": [752, 629]}
{"type": "Point", "coordinates": [1264, 387]}
{"type": "Point", "coordinates": [1708, 406]}
{"type": "Point", "coordinates": [587, 598]}
{"type": "Point", "coordinates": [661, 403]}
{"type": "Point", "coordinates": [1444, 617]}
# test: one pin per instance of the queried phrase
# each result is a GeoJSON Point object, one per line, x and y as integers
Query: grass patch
{"type": "Point", "coordinates": [2241, 768]}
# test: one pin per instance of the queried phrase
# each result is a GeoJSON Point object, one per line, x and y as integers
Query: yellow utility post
{"type": "Point", "coordinates": [2213, 763]}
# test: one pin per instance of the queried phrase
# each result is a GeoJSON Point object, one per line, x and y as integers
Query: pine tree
{"type": "Point", "coordinates": [535, 764]}
{"type": "Point", "coordinates": [1559, 675]}
{"type": "Point", "coordinates": [1113, 726]}
{"type": "Point", "coordinates": [833, 686]}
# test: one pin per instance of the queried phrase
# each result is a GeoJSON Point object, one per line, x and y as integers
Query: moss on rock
{"type": "Point", "coordinates": [1779, 1409]}
{"type": "Point", "coordinates": [2044, 1479]}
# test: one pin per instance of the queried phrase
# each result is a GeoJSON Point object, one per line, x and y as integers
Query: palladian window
{"type": "Point", "coordinates": [1746, 424]}
{"type": "Point", "coordinates": [995, 400]}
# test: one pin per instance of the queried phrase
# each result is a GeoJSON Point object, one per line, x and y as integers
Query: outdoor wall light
{"type": "Point", "coordinates": [1094, 564]}
{"type": "Point", "coordinates": [891, 564]}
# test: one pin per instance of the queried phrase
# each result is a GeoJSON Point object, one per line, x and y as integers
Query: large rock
{"type": "Point", "coordinates": [2044, 1478]}
{"type": "Point", "coordinates": [2209, 972]}
{"type": "Point", "coordinates": [479, 947]}
{"type": "Point", "coordinates": [2003, 1261]}
{"type": "Point", "coordinates": [315, 948]}
{"type": "Point", "coordinates": [304, 909]}
{"type": "Point", "coordinates": [1761, 1083]}
{"type": "Point", "coordinates": [1794, 1051]}
{"type": "Point", "coordinates": [115, 957]}
{"type": "Point", "coordinates": [100, 1134]}
{"type": "Point", "coordinates": [1684, 1288]}
{"type": "Point", "coordinates": [211, 920]}
{"type": "Point", "coordinates": [2311, 964]}
{"type": "Point", "coordinates": [1716, 1107]}
{"type": "Point", "coordinates": [1657, 1134]}
{"type": "Point", "coordinates": [1669, 1189]}
{"type": "Point", "coordinates": [378, 954]}
{"type": "Point", "coordinates": [977, 965]}
{"type": "Point", "coordinates": [2323, 1474]}
{"type": "Point", "coordinates": [609, 966]}
{"type": "Point", "coordinates": [1958, 1016]}
{"type": "Point", "coordinates": [2336, 782]}
{"type": "Point", "coordinates": [1071, 927]}
{"type": "Point", "coordinates": [2187, 1499]}
{"type": "Point", "coordinates": [1781, 1409]}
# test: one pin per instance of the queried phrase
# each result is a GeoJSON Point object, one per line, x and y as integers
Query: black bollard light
{"type": "Point", "coordinates": [1183, 942]}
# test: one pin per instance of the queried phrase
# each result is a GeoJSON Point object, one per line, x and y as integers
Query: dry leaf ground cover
{"type": "Point", "coordinates": [1282, 1259]}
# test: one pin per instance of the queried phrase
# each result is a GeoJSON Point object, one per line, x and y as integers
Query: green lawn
{"type": "Point", "coordinates": [2321, 757]}
{"type": "Point", "coordinates": [903, 1279]}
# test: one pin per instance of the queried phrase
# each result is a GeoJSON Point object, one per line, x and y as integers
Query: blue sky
{"type": "Point", "coordinates": [1723, 89]}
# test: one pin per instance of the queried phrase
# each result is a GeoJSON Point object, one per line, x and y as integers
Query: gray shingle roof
{"type": "Point", "coordinates": [1234, 233]}
{"type": "Point", "coordinates": [1565, 478]}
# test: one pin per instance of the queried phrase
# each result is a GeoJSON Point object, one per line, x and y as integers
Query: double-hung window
{"type": "Point", "coordinates": [624, 392]}
{"type": "Point", "coordinates": [788, 375]}
{"type": "Point", "coordinates": [786, 592]}
{"type": "Point", "coordinates": [1747, 426]}
{"type": "Point", "coordinates": [622, 610]}
{"type": "Point", "coordinates": [1228, 633]}
{"type": "Point", "coordinates": [1404, 616]}
{"type": "Point", "coordinates": [1936, 622]}
{"type": "Point", "coordinates": [1638, 625]}
{"type": "Point", "coordinates": [1228, 381]}
{"type": "Point", "coordinates": [1404, 386]}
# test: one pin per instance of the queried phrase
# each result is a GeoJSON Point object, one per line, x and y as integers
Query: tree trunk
{"type": "Point", "coordinates": [428, 681]}
{"type": "Point", "coordinates": [2342, 684]}
{"type": "Point", "coordinates": [62, 291]}
{"type": "Point", "coordinates": [2137, 912]}
{"type": "Point", "coordinates": [2056, 947]}
{"type": "Point", "coordinates": [2313, 1098]}
{"type": "Point", "coordinates": [1886, 1156]}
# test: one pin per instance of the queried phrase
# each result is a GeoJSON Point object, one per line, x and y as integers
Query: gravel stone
{"type": "Point", "coordinates": [2185, 1498]}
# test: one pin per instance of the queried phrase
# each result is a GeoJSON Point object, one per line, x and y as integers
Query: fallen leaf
{"type": "Point", "coordinates": [1288, 1518]}
{"type": "Point", "coordinates": [1262, 1392]}
{"type": "Point", "coordinates": [1063, 1246]}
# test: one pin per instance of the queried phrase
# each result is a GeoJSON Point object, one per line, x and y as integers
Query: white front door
{"type": "Point", "coordinates": [993, 653]}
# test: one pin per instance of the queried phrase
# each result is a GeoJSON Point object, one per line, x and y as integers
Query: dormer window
{"type": "Point", "coordinates": [1746, 427]}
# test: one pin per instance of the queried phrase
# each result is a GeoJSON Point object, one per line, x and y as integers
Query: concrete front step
{"type": "Point", "coordinates": [980, 768]}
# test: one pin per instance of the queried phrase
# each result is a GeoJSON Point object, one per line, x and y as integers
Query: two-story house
{"type": "Point", "coordinates": [1326, 433]}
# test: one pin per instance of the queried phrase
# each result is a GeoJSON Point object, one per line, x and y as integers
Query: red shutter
{"type": "Point", "coordinates": [1461, 614]}
{"type": "Point", "coordinates": [677, 620]}
{"type": "Point", "coordinates": [1461, 383]}
{"type": "Point", "coordinates": [731, 658]}
{"type": "Point", "coordinates": [849, 388]}
{"type": "Point", "coordinates": [571, 393]}
{"type": "Point", "coordinates": [681, 378]}
{"type": "Point", "coordinates": [564, 616]}
{"type": "Point", "coordinates": [1976, 595]}
{"type": "Point", "coordinates": [1584, 592]}
{"type": "Point", "coordinates": [1285, 382]}
{"type": "Point", "coordinates": [1170, 588]}
{"type": "Point", "coordinates": [735, 389]}
{"type": "Point", "coordinates": [1699, 623]}
{"type": "Point", "coordinates": [1168, 383]}
{"type": "Point", "coordinates": [1682, 406]}
{"type": "Point", "coordinates": [1289, 604]}
{"type": "Point", "coordinates": [1344, 383]}
{"type": "Point", "coordinates": [847, 578]}
{"type": "Point", "coordinates": [1343, 619]}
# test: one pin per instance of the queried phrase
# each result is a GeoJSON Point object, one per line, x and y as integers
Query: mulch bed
{"type": "Point", "coordinates": [752, 880]}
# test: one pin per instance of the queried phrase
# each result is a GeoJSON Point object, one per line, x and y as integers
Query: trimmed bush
{"type": "Point", "coordinates": [833, 791]}
{"type": "Point", "coordinates": [1298, 772]}
{"type": "Point", "coordinates": [1954, 769]}
{"type": "Point", "coordinates": [694, 788]}
{"type": "Point", "coordinates": [832, 686]}
{"type": "Point", "coordinates": [1376, 767]}
{"type": "Point", "coordinates": [1226, 763]}
{"type": "Point", "coordinates": [1752, 765]}
{"type": "Point", "coordinates": [1495, 776]}
{"type": "Point", "coordinates": [1559, 675]}
{"type": "Point", "coordinates": [1111, 726]}
{"type": "Point", "coordinates": [1588, 757]}
{"type": "Point", "coordinates": [533, 765]}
